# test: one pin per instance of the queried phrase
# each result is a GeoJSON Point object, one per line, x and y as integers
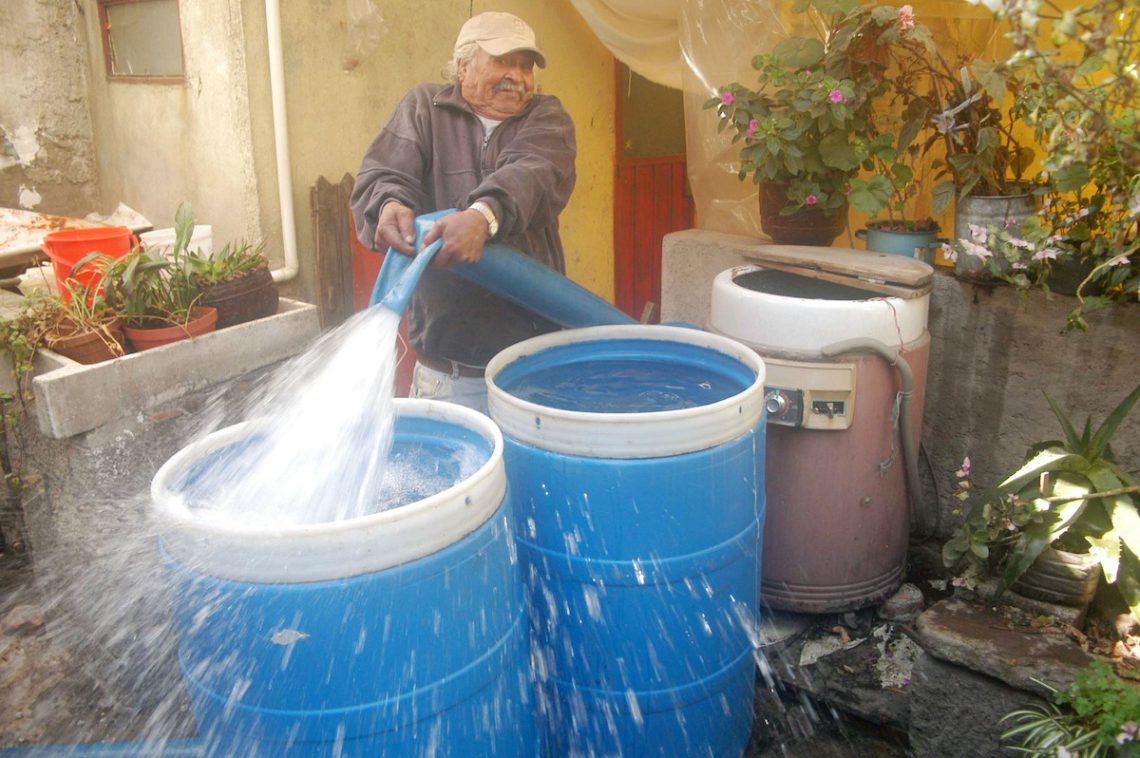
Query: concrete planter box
{"type": "Point", "coordinates": [71, 398]}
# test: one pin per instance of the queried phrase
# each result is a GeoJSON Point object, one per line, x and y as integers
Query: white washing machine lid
{"type": "Point", "coordinates": [882, 273]}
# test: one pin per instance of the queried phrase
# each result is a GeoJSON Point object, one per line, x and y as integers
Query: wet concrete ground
{"type": "Point", "coordinates": [48, 696]}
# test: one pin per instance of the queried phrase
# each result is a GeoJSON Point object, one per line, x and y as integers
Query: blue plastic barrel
{"type": "Point", "coordinates": [635, 460]}
{"type": "Point", "coordinates": [400, 633]}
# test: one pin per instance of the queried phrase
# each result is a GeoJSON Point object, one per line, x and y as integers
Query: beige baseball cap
{"type": "Point", "coordinates": [499, 34]}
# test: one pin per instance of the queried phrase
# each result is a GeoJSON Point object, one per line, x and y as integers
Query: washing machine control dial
{"type": "Point", "coordinates": [784, 406]}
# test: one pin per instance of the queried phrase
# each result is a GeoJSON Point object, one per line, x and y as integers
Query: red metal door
{"type": "Point", "coordinates": [651, 196]}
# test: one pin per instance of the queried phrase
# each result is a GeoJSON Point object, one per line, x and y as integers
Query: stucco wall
{"type": "Point", "coordinates": [334, 114]}
{"type": "Point", "coordinates": [46, 154]}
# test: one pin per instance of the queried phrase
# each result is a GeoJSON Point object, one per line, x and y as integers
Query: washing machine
{"type": "Point", "coordinates": [843, 334]}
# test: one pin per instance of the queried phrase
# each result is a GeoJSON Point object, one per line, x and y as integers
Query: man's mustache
{"type": "Point", "coordinates": [511, 87]}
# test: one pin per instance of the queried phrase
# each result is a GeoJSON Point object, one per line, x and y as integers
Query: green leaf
{"type": "Point", "coordinates": [1104, 434]}
{"type": "Point", "coordinates": [1071, 178]}
{"type": "Point", "coordinates": [1128, 581]}
{"type": "Point", "coordinates": [990, 76]}
{"type": "Point", "coordinates": [1072, 439]}
{"type": "Point", "coordinates": [1125, 521]}
{"type": "Point", "coordinates": [870, 195]}
{"type": "Point", "coordinates": [1090, 65]}
{"type": "Point", "coordinates": [1107, 550]}
{"type": "Point", "coordinates": [799, 52]}
{"type": "Point", "coordinates": [1052, 460]}
{"type": "Point", "coordinates": [941, 197]}
{"type": "Point", "coordinates": [838, 153]}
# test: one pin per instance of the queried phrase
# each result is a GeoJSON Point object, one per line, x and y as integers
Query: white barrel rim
{"type": "Point", "coordinates": [652, 434]}
{"type": "Point", "coordinates": [331, 550]}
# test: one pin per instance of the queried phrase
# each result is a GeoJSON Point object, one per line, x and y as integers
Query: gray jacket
{"type": "Point", "coordinates": [431, 156]}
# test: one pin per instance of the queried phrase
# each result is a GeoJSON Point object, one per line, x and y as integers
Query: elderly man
{"type": "Point", "coordinates": [488, 145]}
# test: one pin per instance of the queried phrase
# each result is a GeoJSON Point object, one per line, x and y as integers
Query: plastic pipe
{"type": "Point", "coordinates": [526, 282]}
{"type": "Point", "coordinates": [910, 449]}
{"type": "Point", "coordinates": [502, 270]}
{"type": "Point", "coordinates": [281, 142]}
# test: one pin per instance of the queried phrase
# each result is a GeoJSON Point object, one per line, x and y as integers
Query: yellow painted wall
{"type": "Point", "coordinates": [335, 113]}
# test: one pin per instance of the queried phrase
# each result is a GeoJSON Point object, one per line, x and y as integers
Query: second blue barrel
{"type": "Point", "coordinates": [635, 461]}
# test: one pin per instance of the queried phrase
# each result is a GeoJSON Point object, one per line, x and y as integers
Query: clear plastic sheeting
{"type": "Point", "coordinates": [718, 40]}
{"type": "Point", "coordinates": [365, 29]}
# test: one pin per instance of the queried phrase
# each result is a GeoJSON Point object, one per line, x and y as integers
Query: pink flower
{"type": "Point", "coordinates": [1128, 732]}
{"type": "Point", "coordinates": [752, 125]}
{"type": "Point", "coordinates": [949, 253]}
{"type": "Point", "coordinates": [727, 98]}
{"type": "Point", "coordinates": [1047, 253]}
{"type": "Point", "coordinates": [978, 233]}
{"type": "Point", "coordinates": [964, 471]}
{"type": "Point", "coordinates": [811, 200]}
{"type": "Point", "coordinates": [906, 18]}
{"type": "Point", "coordinates": [1119, 260]}
{"type": "Point", "coordinates": [981, 252]}
{"type": "Point", "coordinates": [835, 96]}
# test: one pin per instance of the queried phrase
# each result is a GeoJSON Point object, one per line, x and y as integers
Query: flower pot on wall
{"type": "Point", "coordinates": [884, 237]}
{"type": "Point", "coordinates": [90, 346]}
{"type": "Point", "coordinates": [248, 297]}
{"type": "Point", "coordinates": [986, 211]}
{"type": "Point", "coordinates": [203, 320]}
{"type": "Point", "coordinates": [1060, 577]}
{"type": "Point", "coordinates": [807, 226]}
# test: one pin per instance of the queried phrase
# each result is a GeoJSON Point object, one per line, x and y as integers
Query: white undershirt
{"type": "Point", "coordinates": [489, 125]}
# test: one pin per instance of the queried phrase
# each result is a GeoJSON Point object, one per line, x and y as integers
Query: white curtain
{"type": "Point", "coordinates": [642, 34]}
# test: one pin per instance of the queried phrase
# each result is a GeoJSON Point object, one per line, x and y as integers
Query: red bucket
{"type": "Point", "coordinates": [67, 247]}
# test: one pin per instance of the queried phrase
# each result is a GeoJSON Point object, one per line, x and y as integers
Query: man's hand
{"type": "Point", "coordinates": [463, 234]}
{"type": "Point", "coordinates": [396, 228]}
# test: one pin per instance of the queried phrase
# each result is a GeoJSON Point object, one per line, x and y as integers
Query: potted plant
{"type": "Point", "coordinates": [809, 127]}
{"type": "Point", "coordinates": [978, 160]}
{"type": "Point", "coordinates": [84, 328]}
{"type": "Point", "coordinates": [1073, 75]}
{"type": "Point", "coordinates": [236, 281]}
{"type": "Point", "coordinates": [1069, 504]}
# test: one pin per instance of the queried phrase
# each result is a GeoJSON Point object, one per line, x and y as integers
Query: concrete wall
{"type": "Point", "coordinates": [991, 357]}
{"type": "Point", "coordinates": [47, 160]}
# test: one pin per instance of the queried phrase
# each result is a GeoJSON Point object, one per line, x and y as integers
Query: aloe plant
{"type": "Point", "coordinates": [1070, 491]}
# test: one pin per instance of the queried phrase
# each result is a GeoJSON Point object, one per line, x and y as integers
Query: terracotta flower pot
{"type": "Point", "coordinates": [809, 225]}
{"type": "Point", "coordinates": [91, 346]}
{"type": "Point", "coordinates": [245, 298]}
{"type": "Point", "coordinates": [203, 320]}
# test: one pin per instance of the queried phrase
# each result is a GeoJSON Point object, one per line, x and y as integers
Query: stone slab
{"type": "Point", "coordinates": [981, 639]}
{"type": "Point", "coordinates": [955, 712]}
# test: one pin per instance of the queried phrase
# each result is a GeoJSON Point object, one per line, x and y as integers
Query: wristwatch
{"type": "Point", "coordinates": [485, 211]}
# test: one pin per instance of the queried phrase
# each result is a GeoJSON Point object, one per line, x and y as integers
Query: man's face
{"type": "Point", "coordinates": [497, 86]}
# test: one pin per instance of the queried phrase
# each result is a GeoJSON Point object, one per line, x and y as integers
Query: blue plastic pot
{"type": "Point", "coordinates": [909, 244]}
